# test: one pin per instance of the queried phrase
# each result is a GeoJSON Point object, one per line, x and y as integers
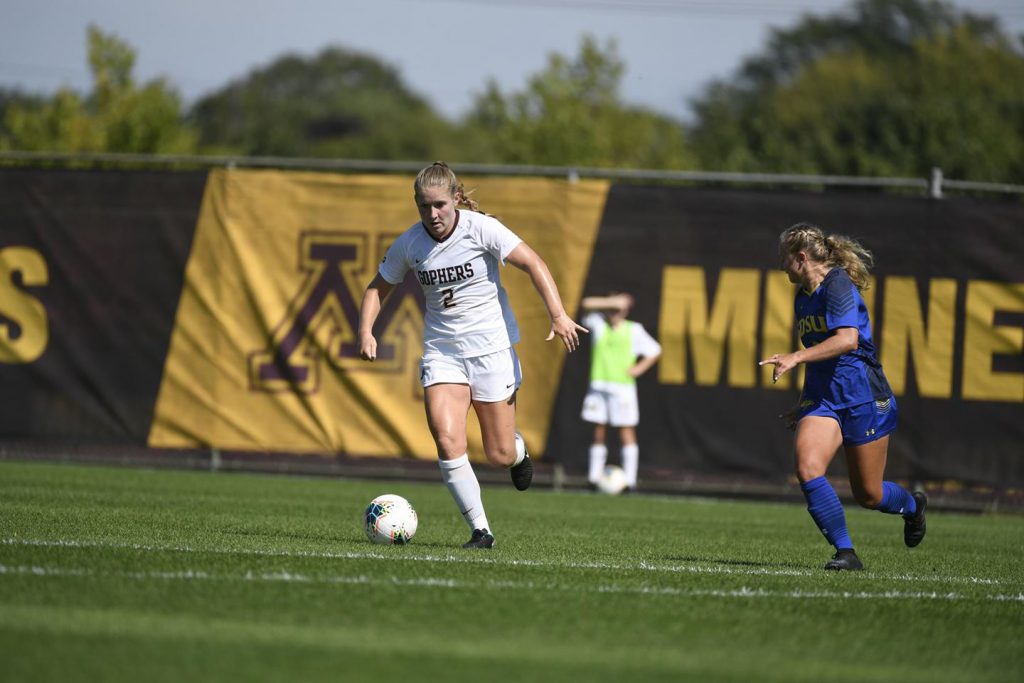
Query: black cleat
{"type": "Point", "coordinates": [481, 538]}
{"type": "Point", "coordinates": [914, 526]}
{"type": "Point", "coordinates": [522, 474]}
{"type": "Point", "coordinates": [845, 559]}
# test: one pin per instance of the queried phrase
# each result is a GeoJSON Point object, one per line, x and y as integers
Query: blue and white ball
{"type": "Point", "coordinates": [613, 480]}
{"type": "Point", "coordinates": [390, 520]}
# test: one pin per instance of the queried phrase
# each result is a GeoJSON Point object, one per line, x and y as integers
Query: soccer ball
{"type": "Point", "coordinates": [612, 481]}
{"type": "Point", "coordinates": [390, 520]}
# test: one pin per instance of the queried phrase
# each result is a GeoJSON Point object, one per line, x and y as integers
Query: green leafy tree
{"type": "Point", "coordinates": [337, 104]}
{"type": "Point", "coordinates": [56, 124]}
{"type": "Point", "coordinates": [892, 87]}
{"type": "Point", "coordinates": [117, 116]}
{"type": "Point", "coordinates": [571, 114]}
{"type": "Point", "coordinates": [12, 98]}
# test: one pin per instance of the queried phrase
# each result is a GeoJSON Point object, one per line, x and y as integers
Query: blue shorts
{"type": "Point", "coordinates": [860, 424]}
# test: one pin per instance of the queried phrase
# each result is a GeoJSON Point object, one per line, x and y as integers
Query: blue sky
{"type": "Point", "coordinates": [445, 49]}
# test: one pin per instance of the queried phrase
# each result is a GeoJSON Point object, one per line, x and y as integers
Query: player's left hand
{"type": "Point", "coordinates": [566, 329]}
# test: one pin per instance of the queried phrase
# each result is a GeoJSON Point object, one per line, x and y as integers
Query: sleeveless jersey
{"type": "Point", "coordinates": [852, 378]}
{"type": "Point", "coordinates": [614, 350]}
{"type": "Point", "coordinates": [468, 312]}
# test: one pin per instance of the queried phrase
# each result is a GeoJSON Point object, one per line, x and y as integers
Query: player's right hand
{"type": "Point", "coordinates": [783, 362]}
{"type": "Point", "coordinates": [368, 348]}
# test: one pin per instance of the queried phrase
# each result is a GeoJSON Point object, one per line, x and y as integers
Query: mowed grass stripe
{"type": "Point", "coordinates": [352, 642]}
{"type": "Point", "coordinates": [524, 586]}
{"type": "Point", "coordinates": [408, 555]}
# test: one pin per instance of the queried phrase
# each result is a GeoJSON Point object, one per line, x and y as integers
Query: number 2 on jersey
{"type": "Point", "coordinates": [449, 296]}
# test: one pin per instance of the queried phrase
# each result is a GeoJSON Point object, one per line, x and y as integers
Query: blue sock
{"type": "Point", "coordinates": [827, 511]}
{"type": "Point", "coordinates": [896, 500]}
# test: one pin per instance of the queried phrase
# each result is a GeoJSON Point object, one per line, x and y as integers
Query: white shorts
{"type": "Point", "coordinates": [491, 378]}
{"type": "Point", "coordinates": [618, 407]}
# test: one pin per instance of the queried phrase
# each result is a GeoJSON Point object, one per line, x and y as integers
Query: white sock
{"type": "Point", "coordinates": [598, 456]}
{"type": "Point", "coordinates": [630, 461]}
{"type": "Point", "coordinates": [462, 483]}
{"type": "Point", "coordinates": [520, 449]}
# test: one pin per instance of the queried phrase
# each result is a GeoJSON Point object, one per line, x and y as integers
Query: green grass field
{"type": "Point", "coordinates": [151, 575]}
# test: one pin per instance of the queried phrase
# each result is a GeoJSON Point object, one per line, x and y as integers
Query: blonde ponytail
{"type": "Point", "coordinates": [438, 174]}
{"type": "Point", "coordinates": [835, 251]}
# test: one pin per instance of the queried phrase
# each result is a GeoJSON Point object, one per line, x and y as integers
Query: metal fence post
{"type": "Point", "coordinates": [935, 183]}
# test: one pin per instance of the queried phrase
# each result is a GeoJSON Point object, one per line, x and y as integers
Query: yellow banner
{"type": "Point", "coordinates": [263, 357]}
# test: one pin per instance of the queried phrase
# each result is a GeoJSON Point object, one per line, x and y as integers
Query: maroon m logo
{"type": "Point", "coordinates": [323, 318]}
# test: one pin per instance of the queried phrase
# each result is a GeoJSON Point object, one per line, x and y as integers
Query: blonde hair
{"type": "Point", "coordinates": [835, 251]}
{"type": "Point", "coordinates": [439, 175]}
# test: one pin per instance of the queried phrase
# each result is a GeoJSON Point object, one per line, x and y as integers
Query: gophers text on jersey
{"type": "Point", "coordinates": [468, 313]}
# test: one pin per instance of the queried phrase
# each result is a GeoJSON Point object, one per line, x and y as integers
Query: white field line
{"type": "Point", "coordinates": [362, 579]}
{"type": "Point", "coordinates": [478, 558]}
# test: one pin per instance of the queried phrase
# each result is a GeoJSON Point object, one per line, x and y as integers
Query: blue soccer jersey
{"type": "Point", "coordinates": [849, 379]}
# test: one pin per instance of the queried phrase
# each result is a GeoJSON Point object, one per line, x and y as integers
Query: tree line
{"type": "Point", "coordinates": [884, 87]}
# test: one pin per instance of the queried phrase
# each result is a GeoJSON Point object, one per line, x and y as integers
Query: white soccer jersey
{"type": "Point", "coordinates": [468, 313]}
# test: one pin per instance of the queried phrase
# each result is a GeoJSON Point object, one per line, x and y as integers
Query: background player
{"type": "Point", "coordinates": [468, 333]}
{"type": "Point", "coordinates": [846, 398]}
{"type": "Point", "coordinates": [621, 351]}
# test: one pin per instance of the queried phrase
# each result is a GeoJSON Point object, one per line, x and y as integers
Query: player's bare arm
{"type": "Point", "coordinates": [643, 365]}
{"type": "Point", "coordinates": [842, 341]}
{"type": "Point", "coordinates": [375, 293]}
{"type": "Point", "coordinates": [614, 302]}
{"type": "Point", "coordinates": [562, 326]}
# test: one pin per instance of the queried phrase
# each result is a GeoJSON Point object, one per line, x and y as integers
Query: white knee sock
{"type": "Point", "coordinates": [462, 483]}
{"type": "Point", "coordinates": [521, 451]}
{"type": "Point", "coordinates": [598, 456]}
{"type": "Point", "coordinates": [630, 462]}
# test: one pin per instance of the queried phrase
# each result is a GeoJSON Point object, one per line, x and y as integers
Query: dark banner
{"type": "Point", "coordinates": [947, 306]}
{"type": "Point", "coordinates": [117, 288]}
{"type": "Point", "coordinates": [91, 266]}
